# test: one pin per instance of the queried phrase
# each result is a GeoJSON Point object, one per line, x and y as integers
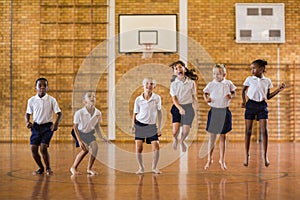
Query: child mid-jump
{"type": "Point", "coordinates": [218, 94]}
{"type": "Point", "coordinates": [184, 93]}
{"type": "Point", "coordinates": [86, 123]}
{"type": "Point", "coordinates": [146, 114]}
{"type": "Point", "coordinates": [258, 91]}
{"type": "Point", "coordinates": [41, 107]}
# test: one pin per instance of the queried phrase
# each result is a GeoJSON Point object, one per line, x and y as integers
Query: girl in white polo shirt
{"type": "Point", "coordinates": [183, 93]}
{"type": "Point", "coordinates": [146, 113]}
{"type": "Point", "coordinates": [258, 91]}
{"type": "Point", "coordinates": [218, 94]}
{"type": "Point", "coordinates": [86, 122]}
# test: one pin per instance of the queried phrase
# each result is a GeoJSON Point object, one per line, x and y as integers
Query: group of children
{"type": "Point", "coordinates": [147, 116]}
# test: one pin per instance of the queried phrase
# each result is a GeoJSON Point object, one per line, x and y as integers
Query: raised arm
{"type": "Point", "coordinates": [274, 93]}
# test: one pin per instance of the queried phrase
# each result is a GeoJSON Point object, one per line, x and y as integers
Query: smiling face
{"type": "Point", "coordinates": [41, 87]}
{"type": "Point", "coordinates": [218, 74]}
{"type": "Point", "coordinates": [179, 71]}
{"type": "Point", "coordinates": [149, 85]}
{"type": "Point", "coordinates": [89, 98]}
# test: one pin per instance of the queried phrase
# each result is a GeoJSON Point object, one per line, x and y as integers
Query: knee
{"type": "Point", "coordinates": [248, 132]}
{"type": "Point", "coordinates": [43, 150]}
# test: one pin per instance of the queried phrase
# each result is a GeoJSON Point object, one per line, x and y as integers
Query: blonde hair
{"type": "Point", "coordinates": [220, 66]}
{"type": "Point", "coordinates": [149, 79]}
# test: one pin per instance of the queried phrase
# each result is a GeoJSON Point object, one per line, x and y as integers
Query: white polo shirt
{"type": "Point", "coordinates": [86, 122]}
{"type": "Point", "coordinates": [258, 87]}
{"type": "Point", "coordinates": [42, 108]}
{"type": "Point", "coordinates": [218, 91]}
{"type": "Point", "coordinates": [183, 90]}
{"type": "Point", "coordinates": [147, 109]}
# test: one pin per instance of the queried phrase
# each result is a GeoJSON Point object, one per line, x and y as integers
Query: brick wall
{"type": "Point", "coordinates": [53, 38]}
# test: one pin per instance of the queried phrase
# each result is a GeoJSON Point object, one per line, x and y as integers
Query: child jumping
{"type": "Point", "coordinates": [218, 95]}
{"type": "Point", "coordinates": [86, 122]}
{"type": "Point", "coordinates": [146, 113]}
{"type": "Point", "coordinates": [41, 107]}
{"type": "Point", "coordinates": [258, 91]}
{"type": "Point", "coordinates": [183, 93]}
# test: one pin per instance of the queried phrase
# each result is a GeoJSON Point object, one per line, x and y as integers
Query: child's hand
{"type": "Point", "coordinates": [282, 86]}
{"type": "Point", "coordinates": [54, 127]}
{"type": "Point", "coordinates": [159, 133]}
{"type": "Point", "coordinates": [29, 125]}
{"type": "Point", "coordinates": [132, 129]}
{"type": "Point", "coordinates": [104, 139]}
{"type": "Point", "coordinates": [228, 96]}
{"type": "Point", "coordinates": [182, 111]}
{"type": "Point", "coordinates": [208, 99]}
{"type": "Point", "coordinates": [244, 105]}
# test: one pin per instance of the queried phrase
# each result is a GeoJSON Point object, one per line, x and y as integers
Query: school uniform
{"type": "Point", "coordinates": [42, 114]}
{"type": "Point", "coordinates": [256, 106]}
{"type": "Point", "coordinates": [219, 118]}
{"type": "Point", "coordinates": [86, 124]}
{"type": "Point", "coordinates": [184, 91]}
{"type": "Point", "coordinates": [146, 117]}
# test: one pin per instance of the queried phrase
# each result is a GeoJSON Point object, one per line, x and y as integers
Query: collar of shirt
{"type": "Point", "coordinates": [86, 112]}
{"type": "Point", "coordinates": [45, 97]}
{"type": "Point", "coordinates": [183, 82]}
{"type": "Point", "coordinates": [257, 78]}
{"type": "Point", "coordinates": [223, 81]}
{"type": "Point", "coordinates": [142, 97]}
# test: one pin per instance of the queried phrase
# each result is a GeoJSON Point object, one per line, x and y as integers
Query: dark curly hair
{"type": "Point", "coordinates": [189, 73]}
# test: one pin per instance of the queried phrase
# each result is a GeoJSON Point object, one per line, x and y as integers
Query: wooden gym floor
{"type": "Point", "coordinates": [184, 178]}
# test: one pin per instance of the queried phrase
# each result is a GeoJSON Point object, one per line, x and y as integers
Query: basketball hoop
{"type": "Point", "coordinates": [148, 52]}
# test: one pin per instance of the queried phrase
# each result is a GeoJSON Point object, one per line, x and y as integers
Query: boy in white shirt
{"type": "Point", "coordinates": [86, 122]}
{"type": "Point", "coordinates": [218, 95]}
{"type": "Point", "coordinates": [42, 106]}
{"type": "Point", "coordinates": [258, 91]}
{"type": "Point", "coordinates": [146, 113]}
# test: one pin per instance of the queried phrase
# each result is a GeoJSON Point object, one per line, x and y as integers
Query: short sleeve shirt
{"type": "Point", "coordinates": [87, 122]}
{"type": "Point", "coordinates": [42, 108]}
{"type": "Point", "coordinates": [183, 90]}
{"type": "Point", "coordinates": [258, 87]}
{"type": "Point", "coordinates": [147, 109]}
{"type": "Point", "coordinates": [218, 92]}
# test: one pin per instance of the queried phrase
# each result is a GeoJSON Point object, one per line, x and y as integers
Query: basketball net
{"type": "Point", "coordinates": [148, 52]}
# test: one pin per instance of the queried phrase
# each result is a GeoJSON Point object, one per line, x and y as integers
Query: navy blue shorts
{"type": "Point", "coordinates": [219, 121]}
{"type": "Point", "coordinates": [41, 133]}
{"type": "Point", "coordinates": [256, 110]}
{"type": "Point", "coordinates": [146, 132]}
{"type": "Point", "coordinates": [186, 119]}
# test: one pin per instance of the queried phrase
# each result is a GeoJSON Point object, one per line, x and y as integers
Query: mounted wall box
{"type": "Point", "coordinates": [260, 22]}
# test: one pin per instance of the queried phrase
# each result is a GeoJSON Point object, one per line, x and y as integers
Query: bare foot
{"type": "Point", "coordinates": [38, 172]}
{"type": "Point", "coordinates": [267, 162]}
{"type": "Point", "coordinates": [174, 144]}
{"type": "Point", "coordinates": [49, 171]}
{"type": "Point", "coordinates": [223, 165]}
{"type": "Point", "coordinates": [209, 162]}
{"type": "Point", "coordinates": [246, 161]}
{"type": "Point", "coordinates": [91, 172]}
{"type": "Point", "coordinates": [74, 171]}
{"type": "Point", "coordinates": [140, 171]}
{"type": "Point", "coordinates": [156, 171]}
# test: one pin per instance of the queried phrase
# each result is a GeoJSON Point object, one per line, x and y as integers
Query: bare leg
{"type": "Point", "coordinates": [94, 151]}
{"type": "Point", "coordinates": [248, 132]}
{"type": "Point", "coordinates": [155, 149]}
{"type": "Point", "coordinates": [222, 151]}
{"type": "Point", "coordinates": [185, 133]}
{"type": "Point", "coordinates": [77, 161]}
{"type": "Point", "coordinates": [37, 158]}
{"type": "Point", "coordinates": [263, 123]}
{"type": "Point", "coordinates": [139, 156]}
{"type": "Point", "coordinates": [211, 145]}
{"type": "Point", "coordinates": [46, 157]}
{"type": "Point", "coordinates": [175, 132]}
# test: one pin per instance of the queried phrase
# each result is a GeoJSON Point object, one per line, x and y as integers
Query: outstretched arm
{"type": "Point", "coordinates": [274, 93]}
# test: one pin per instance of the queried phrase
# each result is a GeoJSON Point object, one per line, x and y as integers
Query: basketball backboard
{"type": "Point", "coordinates": [138, 31]}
